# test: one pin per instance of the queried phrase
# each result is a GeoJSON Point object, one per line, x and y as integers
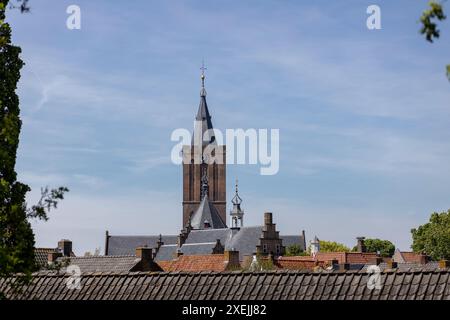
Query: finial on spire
{"type": "Point", "coordinates": [203, 68]}
{"type": "Point", "coordinates": [236, 199]}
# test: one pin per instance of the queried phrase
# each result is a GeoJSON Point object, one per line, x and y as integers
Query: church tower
{"type": "Point", "coordinates": [204, 158]}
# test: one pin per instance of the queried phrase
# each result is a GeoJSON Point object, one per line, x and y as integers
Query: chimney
{"type": "Point", "coordinates": [361, 247]}
{"type": "Point", "coordinates": [423, 259]}
{"type": "Point", "coordinates": [378, 260]}
{"type": "Point", "coordinates": [391, 264]}
{"type": "Point", "coordinates": [106, 242]}
{"type": "Point", "coordinates": [232, 257]}
{"type": "Point", "coordinates": [52, 256]}
{"type": "Point", "coordinates": [183, 236]}
{"type": "Point", "coordinates": [65, 246]}
{"type": "Point", "coordinates": [144, 253]}
{"type": "Point", "coordinates": [268, 218]}
{"type": "Point", "coordinates": [334, 263]}
{"type": "Point", "coordinates": [344, 266]}
{"type": "Point", "coordinates": [159, 243]}
{"type": "Point", "coordinates": [146, 256]}
{"type": "Point", "coordinates": [218, 248]}
{"type": "Point", "coordinates": [444, 264]}
{"type": "Point", "coordinates": [303, 240]}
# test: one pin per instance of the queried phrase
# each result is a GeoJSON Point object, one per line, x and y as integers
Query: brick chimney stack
{"type": "Point", "coordinates": [361, 247]}
{"type": "Point", "coordinates": [65, 246]}
{"type": "Point", "coordinates": [232, 257]}
{"type": "Point", "coordinates": [146, 256]}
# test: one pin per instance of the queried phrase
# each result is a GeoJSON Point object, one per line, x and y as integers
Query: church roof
{"type": "Point", "coordinates": [201, 241]}
{"type": "Point", "coordinates": [166, 252]}
{"type": "Point", "coordinates": [126, 245]}
{"type": "Point", "coordinates": [207, 212]}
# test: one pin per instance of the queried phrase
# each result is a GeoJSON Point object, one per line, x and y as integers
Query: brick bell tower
{"type": "Point", "coordinates": [204, 154]}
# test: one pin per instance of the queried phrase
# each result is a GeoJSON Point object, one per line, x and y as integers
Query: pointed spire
{"type": "Point", "coordinates": [237, 200]}
{"type": "Point", "coordinates": [237, 214]}
{"type": "Point", "coordinates": [203, 68]}
{"type": "Point", "coordinates": [203, 119]}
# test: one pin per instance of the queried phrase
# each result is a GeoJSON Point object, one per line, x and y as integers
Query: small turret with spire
{"type": "Point", "coordinates": [237, 214]}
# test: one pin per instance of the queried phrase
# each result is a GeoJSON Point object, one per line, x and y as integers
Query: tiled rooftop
{"type": "Point", "coordinates": [41, 256]}
{"type": "Point", "coordinates": [278, 285]}
{"type": "Point", "coordinates": [104, 263]}
{"type": "Point", "coordinates": [192, 263]}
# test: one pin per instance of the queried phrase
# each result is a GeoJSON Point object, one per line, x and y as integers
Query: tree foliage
{"type": "Point", "coordinates": [429, 26]}
{"type": "Point", "coordinates": [294, 250]}
{"type": "Point", "coordinates": [331, 246]}
{"type": "Point", "coordinates": [16, 235]}
{"type": "Point", "coordinates": [433, 237]}
{"type": "Point", "coordinates": [384, 247]}
{"type": "Point", "coordinates": [429, 20]}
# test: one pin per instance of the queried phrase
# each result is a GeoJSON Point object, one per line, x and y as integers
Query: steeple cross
{"type": "Point", "coordinates": [203, 68]}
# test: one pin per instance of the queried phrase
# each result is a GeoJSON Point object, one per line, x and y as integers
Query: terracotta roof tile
{"type": "Point", "coordinates": [193, 263]}
{"type": "Point", "coordinates": [298, 285]}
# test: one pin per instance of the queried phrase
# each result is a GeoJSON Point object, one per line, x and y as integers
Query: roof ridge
{"type": "Point", "coordinates": [140, 273]}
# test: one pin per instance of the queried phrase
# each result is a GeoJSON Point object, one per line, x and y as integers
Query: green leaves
{"type": "Point", "coordinates": [331, 246]}
{"type": "Point", "coordinates": [433, 238]}
{"type": "Point", "coordinates": [48, 201]}
{"type": "Point", "coordinates": [384, 247]}
{"type": "Point", "coordinates": [294, 250]}
{"type": "Point", "coordinates": [429, 27]}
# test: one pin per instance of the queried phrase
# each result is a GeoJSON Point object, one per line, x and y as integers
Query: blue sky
{"type": "Point", "coordinates": [364, 116]}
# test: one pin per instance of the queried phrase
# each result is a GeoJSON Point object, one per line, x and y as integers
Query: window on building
{"type": "Point", "coordinates": [265, 248]}
{"type": "Point", "coordinates": [278, 249]}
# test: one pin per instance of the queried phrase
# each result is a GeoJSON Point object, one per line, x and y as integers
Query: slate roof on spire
{"type": "Point", "coordinates": [207, 211]}
{"type": "Point", "coordinates": [203, 121]}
